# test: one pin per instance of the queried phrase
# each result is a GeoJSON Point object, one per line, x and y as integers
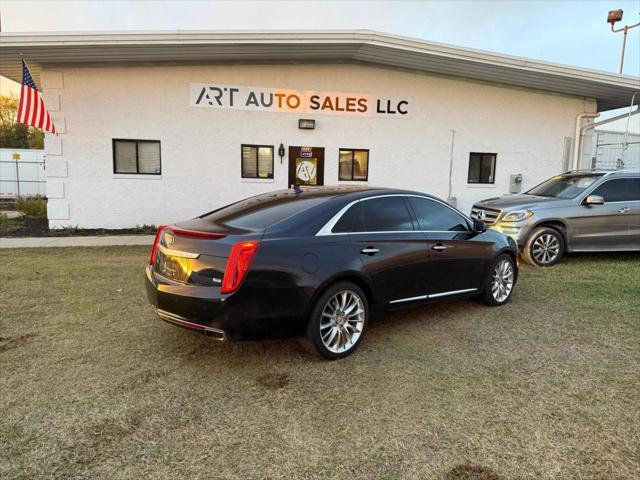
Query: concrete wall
{"type": "Point", "coordinates": [201, 146]}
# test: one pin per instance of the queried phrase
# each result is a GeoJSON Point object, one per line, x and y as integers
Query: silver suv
{"type": "Point", "coordinates": [578, 211]}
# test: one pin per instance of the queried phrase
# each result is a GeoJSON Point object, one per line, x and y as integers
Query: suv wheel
{"type": "Point", "coordinates": [338, 320]}
{"type": "Point", "coordinates": [544, 247]}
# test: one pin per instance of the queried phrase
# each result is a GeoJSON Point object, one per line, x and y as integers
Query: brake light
{"type": "Point", "coordinates": [195, 233]}
{"type": "Point", "coordinates": [154, 250]}
{"type": "Point", "coordinates": [238, 264]}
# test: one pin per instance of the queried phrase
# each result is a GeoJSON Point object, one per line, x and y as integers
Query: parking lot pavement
{"type": "Point", "coordinates": [96, 241]}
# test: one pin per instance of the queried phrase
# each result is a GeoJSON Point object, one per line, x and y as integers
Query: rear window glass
{"type": "Point", "coordinates": [258, 213]}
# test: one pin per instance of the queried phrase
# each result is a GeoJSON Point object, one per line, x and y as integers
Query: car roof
{"type": "Point", "coordinates": [309, 220]}
{"type": "Point", "coordinates": [345, 191]}
{"type": "Point", "coordinates": [603, 172]}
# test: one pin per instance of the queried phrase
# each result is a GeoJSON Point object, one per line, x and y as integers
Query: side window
{"type": "Point", "coordinates": [384, 214]}
{"type": "Point", "coordinates": [437, 217]}
{"type": "Point", "coordinates": [635, 189]}
{"type": "Point", "coordinates": [619, 190]}
{"type": "Point", "coordinates": [349, 219]}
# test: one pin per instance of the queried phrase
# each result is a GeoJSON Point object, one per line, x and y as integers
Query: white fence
{"type": "Point", "coordinates": [22, 172]}
{"type": "Point", "coordinates": [608, 150]}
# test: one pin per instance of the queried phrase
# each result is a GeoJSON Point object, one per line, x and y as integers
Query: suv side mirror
{"type": "Point", "coordinates": [479, 227]}
{"type": "Point", "coordinates": [593, 200]}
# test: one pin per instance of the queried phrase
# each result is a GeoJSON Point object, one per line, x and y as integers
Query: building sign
{"type": "Point", "coordinates": [260, 99]}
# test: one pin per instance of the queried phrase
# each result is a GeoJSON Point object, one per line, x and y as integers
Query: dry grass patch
{"type": "Point", "coordinates": [95, 386]}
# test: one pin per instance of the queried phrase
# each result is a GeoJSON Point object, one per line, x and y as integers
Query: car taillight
{"type": "Point", "coordinates": [196, 233]}
{"type": "Point", "coordinates": [154, 250]}
{"type": "Point", "coordinates": [238, 263]}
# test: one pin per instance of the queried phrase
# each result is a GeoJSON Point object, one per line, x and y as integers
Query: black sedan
{"type": "Point", "coordinates": [316, 263]}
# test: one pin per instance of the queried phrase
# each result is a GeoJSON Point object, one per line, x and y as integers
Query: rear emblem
{"type": "Point", "coordinates": [169, 239]}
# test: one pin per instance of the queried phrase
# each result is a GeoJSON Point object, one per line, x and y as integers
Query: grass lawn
{"type": "Point", "coordinates": [93, 385]}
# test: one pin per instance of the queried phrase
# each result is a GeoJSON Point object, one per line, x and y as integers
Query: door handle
{"type": "Point", "coordinates": [439, 247]}
{"type": "Point", "coordinates": [369, 251]}
{"type": "Point", "coordinates": [624, 210]}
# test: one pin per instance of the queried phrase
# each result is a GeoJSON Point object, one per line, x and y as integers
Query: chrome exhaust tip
{"type": "Point", "coordinates": [215, 333]}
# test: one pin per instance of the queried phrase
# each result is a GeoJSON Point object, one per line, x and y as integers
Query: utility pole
{"type": "Point", "coordinates": [616, 16]}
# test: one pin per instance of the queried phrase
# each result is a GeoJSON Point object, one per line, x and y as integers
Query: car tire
{"type": "Point", "coordinates": [544, 247]}
{"type": "Point", "coordinates": [500, 281]}
{"type": "Point", "coordinates": [337, 321]}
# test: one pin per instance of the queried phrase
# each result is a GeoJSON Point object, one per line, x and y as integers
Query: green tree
{"type": "Point", "coordinates": [13, 134]}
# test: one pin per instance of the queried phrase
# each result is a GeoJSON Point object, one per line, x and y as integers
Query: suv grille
{"type": "Point", "coordinates": [486, 215]}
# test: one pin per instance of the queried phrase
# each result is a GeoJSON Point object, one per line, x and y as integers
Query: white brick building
{"type": "Point", "coordinates": [149, 135]}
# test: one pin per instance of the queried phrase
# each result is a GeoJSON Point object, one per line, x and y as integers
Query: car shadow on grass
{"type": "Point", "coordinates": [575, 257]}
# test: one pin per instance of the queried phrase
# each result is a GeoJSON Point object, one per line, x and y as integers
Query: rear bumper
{"type": "Point", "coordinates": [174, 319]}
{"type": "Point", "coordinates": [245, 315]}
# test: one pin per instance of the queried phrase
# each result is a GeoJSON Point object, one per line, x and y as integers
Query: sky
{"type": "Point", "coordinates": [567, 32]}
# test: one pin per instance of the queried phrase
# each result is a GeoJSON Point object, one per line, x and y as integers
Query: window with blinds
{"type": "Point", "coordinates": [257, 161]}
{"type": "Point", "coordinates": [140, 157]}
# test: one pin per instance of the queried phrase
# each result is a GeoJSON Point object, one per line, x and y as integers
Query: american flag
{"type": "Point", "coordinates": [31, 110]}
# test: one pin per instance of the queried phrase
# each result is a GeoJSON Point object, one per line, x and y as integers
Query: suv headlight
{"type": "Point", "coordinates": [517, 216]}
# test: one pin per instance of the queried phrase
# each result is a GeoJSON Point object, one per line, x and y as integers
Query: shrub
{"type": "Point", "coordinates": [9, 224]}
{"type": "Point", "coordinates": [32, 206]}
{"type": "Point", "coordinates": [148, 229]}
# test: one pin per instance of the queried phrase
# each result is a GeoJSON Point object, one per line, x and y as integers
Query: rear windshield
{"type": "Point", "coordinates": [258, 213]}
{"type": "Point", "coordinates": [564, 186]}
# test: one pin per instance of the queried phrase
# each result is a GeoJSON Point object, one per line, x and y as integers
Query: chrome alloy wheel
{"type": "Point", "coordinates": [545, 249]}
{"type": "Point", "coordinates": [342, 321]}
{"type": "Point", "coordinates": [502, 281]}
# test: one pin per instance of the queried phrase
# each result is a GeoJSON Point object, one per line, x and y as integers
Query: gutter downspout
{"type": "Point", "coordinates": [450, 199]}
{"type": "Point", "coordinates": [625, 141]}
{"type": "Point", "coordinates": [577, 137]}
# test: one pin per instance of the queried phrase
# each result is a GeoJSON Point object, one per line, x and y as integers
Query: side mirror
{"type": "Point", "coordinates": [593, 200]}
{"type": "Point", "coordinates": [479, 226]}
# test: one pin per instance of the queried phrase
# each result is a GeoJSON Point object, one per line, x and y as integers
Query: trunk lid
{"type": "Point", "coordinates": [196, 252]}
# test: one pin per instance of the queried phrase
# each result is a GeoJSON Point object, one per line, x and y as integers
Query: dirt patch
{"type": "Point", "coordinates": [8, 343]}
{"type": "Point", "coordinates": [274, 381]}
{"type": "Point", "coordinates": [143, 378]}
{"type": "Point", "coordinates": [467, 471]}
{"type": "Point", "coordinates": [112, 431]}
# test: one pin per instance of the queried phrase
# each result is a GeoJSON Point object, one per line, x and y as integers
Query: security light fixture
{"type": "Point", "coordinates": [306, 124]}
{"type": "Point", "coordinates": [616, 16]}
